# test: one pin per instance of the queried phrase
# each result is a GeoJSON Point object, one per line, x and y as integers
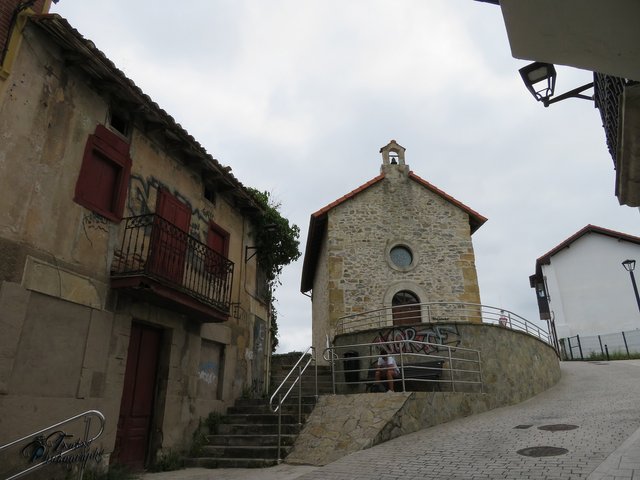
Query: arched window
{"type": "Point", "coordinates": [406, 308]}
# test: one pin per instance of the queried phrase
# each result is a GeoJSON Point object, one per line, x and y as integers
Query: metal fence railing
{"type": "Point", "coordinates": [446, 368]}
{"type": "Point", "coordinates": [439, 312]}
{"type": "Point", "coordinates": [596, 347]}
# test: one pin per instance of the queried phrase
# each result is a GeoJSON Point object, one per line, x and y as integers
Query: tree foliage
{"type": "Point", "coordinates": [277, 244]}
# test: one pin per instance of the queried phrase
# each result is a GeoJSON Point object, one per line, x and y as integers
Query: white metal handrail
{"type": "Point", "coordinates": [439, 312]}
{"type": "Point", "coordinates": [300, 367]}
{"type": "Point", "coordinates": [460, 366]}
{"type": "Point", "coordinates": [83, 444]}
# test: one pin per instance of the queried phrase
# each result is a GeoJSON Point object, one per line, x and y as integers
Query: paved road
{"type": "Point", "coordinates": [602, 399]}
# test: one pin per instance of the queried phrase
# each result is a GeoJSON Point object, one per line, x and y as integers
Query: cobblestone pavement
{"type": "Point", "coordinates": [602, 399]}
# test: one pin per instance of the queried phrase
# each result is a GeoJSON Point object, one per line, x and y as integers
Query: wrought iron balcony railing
{"type": "Point", "coordinates": [607, 93]}
{"type": "Point", "coordinates": [156, 249]}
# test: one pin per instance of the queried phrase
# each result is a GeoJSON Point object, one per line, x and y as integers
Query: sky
{"type": "Point", "coordinates": [298, 97]}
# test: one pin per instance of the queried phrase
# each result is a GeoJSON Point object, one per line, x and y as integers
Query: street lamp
{"type": "Point", "coordinates": [536, 73]}
{"type": "Point", "coordinates": [629, 266]}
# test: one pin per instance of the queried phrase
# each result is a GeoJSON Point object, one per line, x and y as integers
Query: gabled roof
{"type": "Point", "coordinates": [318, 222]}
{"type": "Point", "coordinates": [105, 77]}
{"type": "Point", "coordinates": [546, 258]}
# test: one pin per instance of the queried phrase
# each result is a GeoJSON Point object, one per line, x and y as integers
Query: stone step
{"type": "Point", "coordinates": [247, 440]}
{"type": "Point", "coordinates": [258, 429]}
{"type": "Point", "coordinates": [244, 418]}
{"type": "Point", "coordinates": [230, 462]}
{"type": "Point", "coordinates": [252, 451]}
{"type": "Point", "coordinates": [289, 408]}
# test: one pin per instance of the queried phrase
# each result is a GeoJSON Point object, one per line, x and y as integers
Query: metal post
{"type": "Point", "coordinates": [606, 349]}
{"type": "Point", "coordinates": [480, 371]}
{"type": "Point", "coordinates": [635, 288]}
{"type": "Point", "coordinates": [580, 347]}
{"type": "Point", "coordinates": [601, 349]}
{"type": "Point", "coordinates": [279, 425]}
{"type": "Point", "coordinates": [625, 344]}
{"type": "Point", "coordinates": [333, 369]}
{"type": "Point", "coordinates": [402, 369]}
{"type": "Point", "coordinates": [453, 383]}
{"type": "Point", "coordinates": [570, 347]}
{"type": "Point", "coordinates": [300, 395]}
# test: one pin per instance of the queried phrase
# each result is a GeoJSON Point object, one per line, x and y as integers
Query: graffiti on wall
{"type": "Point", "coordinates": [140, 202]}
{"type": "Point", "coordinates": [404, 337]}
{"type": "Point", "coordinates": [208, 372]}
{"type": "Point", "coordinates": [259, 344]}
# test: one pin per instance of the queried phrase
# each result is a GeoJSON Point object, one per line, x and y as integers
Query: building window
{"type": "Point", "coordinates": [104, 174]}
{"type": "Point", "coordinates": [120, 123]}
{"type": "Point", "coordinates": [401, 256]}
{"type": "Point", "coordinates": [209, 194]}
{"type": "Point", "coordinates": [218, 242]}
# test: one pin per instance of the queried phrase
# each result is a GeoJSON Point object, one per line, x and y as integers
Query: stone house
{"type": "Point", "coordinates": [395, 240]}
{"type": "Point", "coordinates": [127, 280]}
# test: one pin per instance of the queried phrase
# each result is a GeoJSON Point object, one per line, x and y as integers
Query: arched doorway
{"type": "Point", "coordinates": [406, 308]}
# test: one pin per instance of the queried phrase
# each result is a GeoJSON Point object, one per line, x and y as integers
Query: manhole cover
{"type": "Point", "coordinates": [523, 427]}
{"type": "Point", "coordinates": [542, 451]}
{"type": "Point", "coordinates": [559, 427]}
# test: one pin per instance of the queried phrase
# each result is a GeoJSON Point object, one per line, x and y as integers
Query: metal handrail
{"type": "Point", "coordinates": [467, 372]}
{"type": "Point", "coordinates": [439, 312]}
{"type": "Point", "coordinates": [84, 444]}
{"type": "Point", "coordinates": [277, 407]}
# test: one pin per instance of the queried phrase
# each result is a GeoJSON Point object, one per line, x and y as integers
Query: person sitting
{"type": "Point", "coordinates": [387, 369]}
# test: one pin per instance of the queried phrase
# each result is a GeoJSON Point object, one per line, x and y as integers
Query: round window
{"type": "Point", "coordinates": [401, 256]}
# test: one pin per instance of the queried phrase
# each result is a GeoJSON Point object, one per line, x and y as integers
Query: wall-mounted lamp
{"type": "Point", "coordinates": [246, 253]}
{"type": "Point", "coordinates": [540, 80]}
{"type": "Point", "coordinates": [270, 227]}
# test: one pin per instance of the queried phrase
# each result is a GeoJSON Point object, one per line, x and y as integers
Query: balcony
{"type": "Point", "coordinates": [162, 264]}
{"type": "Point", "coordinates": [619, 103]}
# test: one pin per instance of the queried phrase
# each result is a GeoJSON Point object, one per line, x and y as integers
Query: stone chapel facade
{"type": "Point", "coordinates": [394, 240]}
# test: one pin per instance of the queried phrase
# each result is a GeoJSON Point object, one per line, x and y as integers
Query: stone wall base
{"type": "Point", "coordinates": [343, 424]}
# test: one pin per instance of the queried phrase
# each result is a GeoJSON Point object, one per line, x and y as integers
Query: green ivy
{"type": "Point", "coordinates": [277, 244]}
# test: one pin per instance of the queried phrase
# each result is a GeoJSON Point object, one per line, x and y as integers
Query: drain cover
{"type": "Point", "coordinates": [523, 427]}
{"type": "Point", "coordinates": [559, 427]}
{"type": "Point", "coordinates": [542, 451]}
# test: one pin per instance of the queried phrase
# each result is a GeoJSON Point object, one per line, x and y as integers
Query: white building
{"type": "Point", "coordinates": [582, 286]}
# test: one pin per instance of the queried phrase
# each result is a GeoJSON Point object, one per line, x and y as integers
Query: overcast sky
{"type": "Point", "coordinates": [299, 96]}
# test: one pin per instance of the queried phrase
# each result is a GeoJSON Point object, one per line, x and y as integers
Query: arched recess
{"type": "Point", "coordinates": [401, 298]}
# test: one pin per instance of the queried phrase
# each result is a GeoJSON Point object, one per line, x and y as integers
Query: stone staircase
{"type": "Point", "coordinates": [247, 437]}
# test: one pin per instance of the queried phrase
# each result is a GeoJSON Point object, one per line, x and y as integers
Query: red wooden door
{"type": "Point", "coordinates": [406, 310]}
{"type": "Point", "coordinates": [136, 406]}
{"type": "Point", "coordinates": [169, 242]}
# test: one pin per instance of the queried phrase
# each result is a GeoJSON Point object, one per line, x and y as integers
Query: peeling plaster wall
{"type": "Point", "coordinates": [65, 332]}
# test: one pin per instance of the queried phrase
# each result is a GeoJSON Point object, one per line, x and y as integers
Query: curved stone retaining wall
{"type": "Point", "coordinates": [515, 365]}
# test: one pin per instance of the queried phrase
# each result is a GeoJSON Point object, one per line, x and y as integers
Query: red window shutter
{"type": "Point", "coordinates": [104, 174]}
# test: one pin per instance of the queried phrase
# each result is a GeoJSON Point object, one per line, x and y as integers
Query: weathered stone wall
{"type": "Point", "coordinates": [396, 211]}
{"type": "Point", "coordinates": [343, 424]}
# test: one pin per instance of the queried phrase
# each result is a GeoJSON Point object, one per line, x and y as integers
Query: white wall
{"type": "Point", "coordinates": [590, 292]}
